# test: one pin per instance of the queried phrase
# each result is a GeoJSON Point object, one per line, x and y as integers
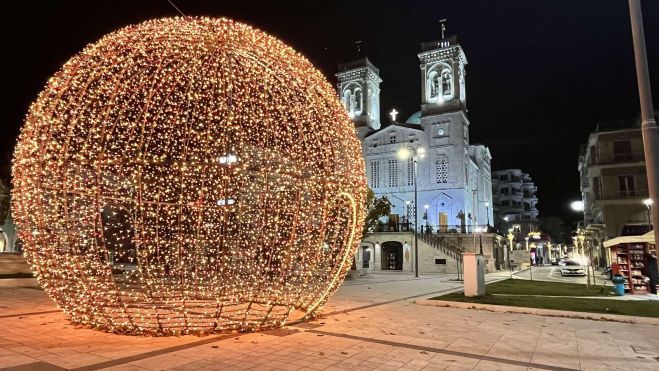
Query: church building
{"type": "Point", "coordinates": [452, 176]}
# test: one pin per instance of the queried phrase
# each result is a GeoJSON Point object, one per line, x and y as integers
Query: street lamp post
{"type": "Point", "coordinates": [649, 128]}
{"type": "Point", "coordinates": [415, 153]}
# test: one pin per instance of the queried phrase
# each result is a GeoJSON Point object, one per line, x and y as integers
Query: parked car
{"type": "Point", "coordinates": [572, 268]}
{"type": "Point", "coordinates": [562, 261]}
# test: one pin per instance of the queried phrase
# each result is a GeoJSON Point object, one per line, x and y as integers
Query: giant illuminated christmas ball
{"type": "Point", "coordinates": [188, 175]}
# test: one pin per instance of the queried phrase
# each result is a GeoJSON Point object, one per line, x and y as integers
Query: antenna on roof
{"type": "Point", "coordinates": [175, 7]}
{"type": "Point", "coordinates": [443, 23]}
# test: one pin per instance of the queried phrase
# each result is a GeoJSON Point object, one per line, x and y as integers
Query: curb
{"type": "Point", "coordinates": [541, 312]}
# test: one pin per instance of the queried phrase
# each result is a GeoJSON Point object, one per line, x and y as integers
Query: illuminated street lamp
{"type": "Point", "coordinates": [414, 153]}
{"type": "Point", "coordinates": [648, 204]}
{"type": "Point", "coordinates": [577, 206]}
{"type": "Point", "coordinates": [480, 231]}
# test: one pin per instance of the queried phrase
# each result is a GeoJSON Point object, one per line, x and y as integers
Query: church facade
{"type": "Point", "coordinates": [453, 176]}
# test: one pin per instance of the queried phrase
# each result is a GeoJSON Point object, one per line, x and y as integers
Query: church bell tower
{"type": "Point", "coordinates": [359, 91]}
{"type": "Point", "coordinates": [442, 76]}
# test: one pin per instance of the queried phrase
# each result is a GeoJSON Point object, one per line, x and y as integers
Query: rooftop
{"type": "Point", "coordinates": [362, 62]}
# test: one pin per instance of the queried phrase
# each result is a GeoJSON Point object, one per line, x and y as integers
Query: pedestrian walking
{"type": "Point", "coordinates": [653, 273]}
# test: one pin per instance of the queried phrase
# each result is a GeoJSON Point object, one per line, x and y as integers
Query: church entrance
{"type": "Point", "coordinates": [392, 256]}
{"type": "Point", "coordinates": [443, 222]}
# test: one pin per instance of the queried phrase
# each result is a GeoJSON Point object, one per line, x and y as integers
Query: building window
{"type": "Point", "coordinates": [410, 171]}
{"type": "Point", "coordinates": [392, 139]}
{"type": "Point", "coordinates": [622, 150]}
{"type": "Point", "coordinates": [411, 217]}
{"type": "Point", "coordinates": [626, 185]}
{"type": "Point", "coordinates": [375, 174]}
{"type": "Point", "coordinates": [442, 170]}
{"type": "Point", "coordinates": [505, 203]}
{"type": "Point", "coordinates": [393, 173]}
{"type": "Point", "coordinates": [466, 174]}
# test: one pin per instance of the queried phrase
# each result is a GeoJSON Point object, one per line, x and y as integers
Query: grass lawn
{"type": "Point", "coordinates": [520, 294]}
{"type": "Point", "coordinates": [524, 287]}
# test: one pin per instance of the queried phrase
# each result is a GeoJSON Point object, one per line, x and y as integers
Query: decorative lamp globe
{"type": "Point", "coordinates": [188, 175]}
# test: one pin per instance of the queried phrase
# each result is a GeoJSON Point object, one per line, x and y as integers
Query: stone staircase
{"type": "Point", "coordinates": [441, 243]}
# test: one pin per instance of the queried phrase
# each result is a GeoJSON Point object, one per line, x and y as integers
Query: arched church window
{"type": "Point", "coordinates": [441, 169]}
{"type": "Point", "coordinates": [375, 174]}
{"type": "Point", "coordinates": [433, 79]}
{"type": "Point", "coordinates": [393, 173]}
{"type": "Point", "coordinates": [358, 101]}
{"type": "Point", "coordinates": [446, 84]}
{"type": "Point", "coordinates": [373, 101]}
{"type": "Point", "coordinates": [411, 216]}
{"type": "Point", "coordinates": [346, 102]}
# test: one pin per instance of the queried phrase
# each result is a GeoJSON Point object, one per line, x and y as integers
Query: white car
{"type": "Point", "coordinates": [572, 268]}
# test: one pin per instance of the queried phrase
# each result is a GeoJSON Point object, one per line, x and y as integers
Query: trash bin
{"type": "Point", "coordinates": [618, 284]}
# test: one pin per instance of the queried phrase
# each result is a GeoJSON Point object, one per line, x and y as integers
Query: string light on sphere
{"type": "Point", "coordinates": [188, 175]}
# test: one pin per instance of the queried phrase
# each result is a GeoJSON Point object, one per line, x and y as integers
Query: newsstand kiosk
{"type": "Point", "coordinates": [629, 258]}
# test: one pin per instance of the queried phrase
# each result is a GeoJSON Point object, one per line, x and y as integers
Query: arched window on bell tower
{"type": "Point", "coordinates": [442, 76]}
{"type": "Point", "coordinates": [447, 85]}
{"type": "Point", "coordinates": [359, 101]}
{"type": "Point", "coordinates": [439, 84]}
{"type": "Point", "coordinates": [359, 91]}
{"type": "Point", "coordinates": [353, 99]}
{"type": "Point", "coordinates": [346, 102]}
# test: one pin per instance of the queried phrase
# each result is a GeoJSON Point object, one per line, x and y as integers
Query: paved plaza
{"type": "Point", "coordinates": [372, 323]}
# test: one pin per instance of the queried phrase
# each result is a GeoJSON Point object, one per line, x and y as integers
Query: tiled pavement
{"type": "Point", "coordinates": [372, 323]}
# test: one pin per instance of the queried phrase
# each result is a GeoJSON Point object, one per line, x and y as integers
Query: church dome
{"type": "Point", "coordinates": [415, 118]}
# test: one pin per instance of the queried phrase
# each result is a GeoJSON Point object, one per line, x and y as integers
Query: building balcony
{"type": "Point", "coordinates": [394, 227]}
{"type": "Point", "coordinates": [617, 158]}
{"type": "Point", "coordinates": [511, 209]}
{"type": "Point", "coordinates": [622, 195]}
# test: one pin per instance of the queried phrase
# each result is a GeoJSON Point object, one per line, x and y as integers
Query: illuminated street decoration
{"type": "Point", "coordinates": [188, 175]}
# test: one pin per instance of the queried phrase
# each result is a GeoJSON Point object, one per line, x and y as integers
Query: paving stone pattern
{"type": "Point", "coordinates": [371, 324]}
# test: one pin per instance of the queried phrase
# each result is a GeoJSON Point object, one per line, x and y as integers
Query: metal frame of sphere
{"type": "Point", "coordinates": [188, 175]}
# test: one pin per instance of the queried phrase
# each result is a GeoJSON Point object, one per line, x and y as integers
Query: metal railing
{"type": "Point", "coordinates": [618, 195]}
{"type": "Point", "coordinates": [395, 227]}
{"type": "Point", "coordinates": [440, 242]}
{"type": "Point", "coordinates": [617, 158]}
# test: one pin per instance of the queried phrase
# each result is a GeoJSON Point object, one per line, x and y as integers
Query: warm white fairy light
{"type": "Point", "coordinates": [188, 175]}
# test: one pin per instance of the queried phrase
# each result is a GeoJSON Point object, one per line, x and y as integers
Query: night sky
{"type": "Point", "coordinates": [541, 74]}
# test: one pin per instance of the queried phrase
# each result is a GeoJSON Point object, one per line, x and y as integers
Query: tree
{"type": "Point", "coordinates": [4, 202]}
{"type": "Point", "coordinates": [376, 207]}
